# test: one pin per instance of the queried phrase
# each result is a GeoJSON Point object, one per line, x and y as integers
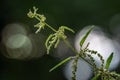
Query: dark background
{"type": "Point", "coordinates": [73, 13]}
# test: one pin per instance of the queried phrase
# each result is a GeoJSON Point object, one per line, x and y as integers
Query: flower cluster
{"type": "Point", "coordinates": [39, 17]}
{"type": "Point", "coordinates": [85, 53]}
{"type": "Point", "coordinates": [54, 39]}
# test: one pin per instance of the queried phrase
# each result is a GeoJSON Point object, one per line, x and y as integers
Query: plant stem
{"type": "Point", "coordinates": [37, 18]}
{"type": "Point", "coordinates": [50, 27]}
{"type": "Point", "coordinates": [74, 70]}
{"type": "Point", "coordinates": [46, 24]}
{"type": "Point", "coordinates": [69, 45]}
{"type": "Point", "coordinates": [78, 55]}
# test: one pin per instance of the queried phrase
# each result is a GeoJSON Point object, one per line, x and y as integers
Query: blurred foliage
{"type": "Point", "coordinates": [73, 13]}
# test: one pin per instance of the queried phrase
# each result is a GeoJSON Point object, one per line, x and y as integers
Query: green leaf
{"type": "Point", "coordinates": [109, 60]}
{"type": "Point", "coordinates": [85, 36]}
{"type": "Point", "coordinates": [96, 77]}
{"type": "Point", "coordinates": [69, 29]}
{"type": "Point", "coordinates": [61, 63]}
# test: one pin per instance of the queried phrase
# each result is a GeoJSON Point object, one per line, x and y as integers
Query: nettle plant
{"type": "Point", "coordinates": [100, 72]}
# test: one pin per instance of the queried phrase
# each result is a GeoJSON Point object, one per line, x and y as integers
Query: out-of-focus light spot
{"type": "Point", "coordinates": [13, 29]}
{"type": "Point", "coordinates": [38, 41]}
{"type": "Point", "coordinates": [84, 71]}
{"type": "Point", "coordinates": [101, 43]}
{"type": "Point", "coordinates": [19, 47]}
{"type": "Point", "coordinates": [16, 42]}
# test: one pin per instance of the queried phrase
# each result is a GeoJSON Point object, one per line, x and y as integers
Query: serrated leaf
{"type": "Point", "coordinates": [109, 59]}
{"type": "Point", "coordinates": [85, 36]}
{"type": "Point", "coordinates": [61, 63]}
{"type": "Point", "coordinates": [96, 77]}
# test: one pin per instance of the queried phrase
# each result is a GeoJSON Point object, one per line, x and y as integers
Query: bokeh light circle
{"type": "Point", "coordinates": [84, 71]}
{"type": "Point", "coordinates": [100, 42]}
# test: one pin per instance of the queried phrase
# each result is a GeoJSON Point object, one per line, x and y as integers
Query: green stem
{"type": "Point", "coordinates": [50, 27]}
{"type": "Point", "coordinates": [46, 24]}
{"type": "Point", "coordinates": [69, 45]}
{"type": "Point", "coordinates": [37, 18]}
{"type": "Point", "coordinates": [78, 55]}
{"type": "Point", "coordinates": [74, 70]}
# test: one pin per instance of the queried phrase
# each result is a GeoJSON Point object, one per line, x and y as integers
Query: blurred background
{"type": "Point", "coordinates": [22, 52]}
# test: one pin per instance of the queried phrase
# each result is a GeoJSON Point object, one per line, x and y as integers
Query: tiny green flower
{"type": "Point", "coordinates": [54, 39]}
{"type": "Point", "coordinates": [32, 14]}
{"type": "Point", "coordinates": [40, 26]}
{"type": "Point", "coordinates": [39, 17]}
